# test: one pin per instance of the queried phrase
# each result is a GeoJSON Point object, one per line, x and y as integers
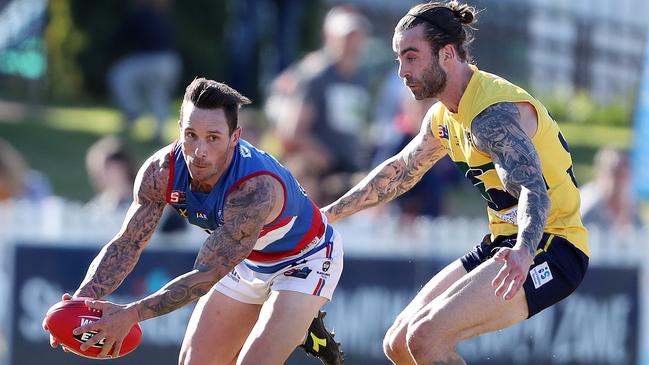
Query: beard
{"type": "Point", "coordinates": [204, 178]}
{"type": "Point", "coordinates": [432, 82]}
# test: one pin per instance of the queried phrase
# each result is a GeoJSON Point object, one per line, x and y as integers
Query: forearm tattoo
{"type": "Point", "coordinates": [497, 131]}
{"type": "Point", "coordinates": [393, 177]}
{"type": "Point", "coordinates": [117, 258]}
{"type": "Point", "coordinates": [245, 212]}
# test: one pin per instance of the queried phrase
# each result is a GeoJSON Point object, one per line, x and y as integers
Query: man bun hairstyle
{"type": "Point", "coordinates": [465, 13]}
{"type": "Point", "coordinates": [444, 23]}
{"type": "Point", "coordinates": [210, 94]}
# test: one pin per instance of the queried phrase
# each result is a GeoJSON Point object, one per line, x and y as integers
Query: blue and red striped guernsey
{"type": "Point", "coordinates": [292, 235]}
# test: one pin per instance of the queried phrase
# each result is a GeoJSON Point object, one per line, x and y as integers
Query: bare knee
{"type": "Point", "coordinates": [426, 340]}
{"type": "Point", "coordinates": [189, 356]}
{"type": "Point", "coordinates": [394, 343]}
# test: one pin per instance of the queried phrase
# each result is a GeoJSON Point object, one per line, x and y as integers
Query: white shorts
{"type": "Point", "coordinates": [316, 274]}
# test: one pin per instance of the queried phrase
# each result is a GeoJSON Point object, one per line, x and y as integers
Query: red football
{"type": "Point", "coordinates": [66, 315]}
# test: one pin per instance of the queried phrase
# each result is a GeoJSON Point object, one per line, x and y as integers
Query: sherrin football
{"type": "Point", "coordinates": [63, 317]}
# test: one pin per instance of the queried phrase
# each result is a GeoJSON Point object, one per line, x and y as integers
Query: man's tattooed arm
{"type": "Point", "coordinates": [498, 132]}
{"type": "Point", "coordinates": [118, 257]}
{"type": "Point", "coordinates": [393, 177]}
{"type": "Point", "coordinates": [245, 211]}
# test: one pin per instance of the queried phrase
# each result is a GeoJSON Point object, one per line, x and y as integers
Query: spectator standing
{"type": "Point", "coordinates": [111, 169]}
{"type": "Point", "coordinates": [17, 180]}
{"type": "Point", "coordinates": [147, 75]}
{"type": "Point", "coordinates": [427, 197]}
{"type": "Point", "coordinates": [607, 201]}
{"type": "Point", "coordinates": [321, 105]}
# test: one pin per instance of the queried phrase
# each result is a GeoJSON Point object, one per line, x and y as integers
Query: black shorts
{"type": "Point", "coordinates": [557, 271]}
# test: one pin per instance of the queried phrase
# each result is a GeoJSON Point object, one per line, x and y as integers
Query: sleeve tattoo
{"type": "Point", "coordinates": [497, 131]}
{"type": "Point", "coordinates": [393, 177]}
{"type": "Point", "coordinates": [245, 212]}
{"type": "Point", "coordinates": [117, 258]}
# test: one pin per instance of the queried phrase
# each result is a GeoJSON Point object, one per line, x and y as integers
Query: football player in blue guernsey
{"type": "Point", "coordinates": [270, 261]}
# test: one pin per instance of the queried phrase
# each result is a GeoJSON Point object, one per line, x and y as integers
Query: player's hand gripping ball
{"type": "Point", "coordinates": [66, 315]}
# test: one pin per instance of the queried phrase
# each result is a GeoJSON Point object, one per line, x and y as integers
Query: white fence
{"type": "Point", "coordinates": [371, 233]}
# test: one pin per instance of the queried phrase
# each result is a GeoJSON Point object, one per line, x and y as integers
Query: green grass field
{"type": "Point", "coordinates": [585, 140]}
{"type": "Point", "coordinates": [54, 141]}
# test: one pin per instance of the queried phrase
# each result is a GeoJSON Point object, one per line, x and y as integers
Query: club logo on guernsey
{"type": "Point", "coordinates": [442, 131]}
{"type": "Point", "coordinates": [245, 152]}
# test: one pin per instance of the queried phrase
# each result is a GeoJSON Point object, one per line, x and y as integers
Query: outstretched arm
{"type": "Point", "coordinates": [393, 177]}
{"type": "Point", "coordinates": [118, 257]}
{"type": "Point", "coordinates": [498, 132]}
{"type": "Point", "coordinates": [245, 211]}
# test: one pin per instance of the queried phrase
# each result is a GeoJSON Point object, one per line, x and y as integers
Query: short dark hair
{"type": "Point", "coordinates": [444, 23]}
{"type": "Point", "coordinates": [210, 94]}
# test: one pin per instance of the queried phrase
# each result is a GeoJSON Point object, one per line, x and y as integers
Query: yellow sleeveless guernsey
{"type": "Point", "coordinates": [454, 131]}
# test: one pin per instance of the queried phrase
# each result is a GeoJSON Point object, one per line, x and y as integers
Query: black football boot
{"type": "Point", "coordinates": [321, 343]}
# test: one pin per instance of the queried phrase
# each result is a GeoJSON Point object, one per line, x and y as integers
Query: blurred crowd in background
{"type": "Point", "coordinates": [327, 98]}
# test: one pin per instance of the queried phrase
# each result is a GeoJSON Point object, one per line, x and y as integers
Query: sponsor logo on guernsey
{"type": "Point", "coordinates": [201, 215]}
{"type": "Point", "coordinates": [442, 131]}
{"type": "Point", "coordinates": [467, 137]}
{"type": "Point", "coordinates": [177, 197]}
{"type": "Point", "coordinates": [219, 217]}
{"type": "Point", "coordinates": [540, 274]}
{"type": "Point", "coordinates": [509, 216]}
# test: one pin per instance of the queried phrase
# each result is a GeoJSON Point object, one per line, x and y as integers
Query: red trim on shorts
{"type": "Point", "coordinates": [172, 164]}
{"type": "Point", "coordinates": [316, 230]}
{"type": "Point", "coordinates": [318, 288]}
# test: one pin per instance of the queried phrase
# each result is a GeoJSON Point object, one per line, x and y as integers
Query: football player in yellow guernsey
{"type": "Point", "coordinates": [536, 252]}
